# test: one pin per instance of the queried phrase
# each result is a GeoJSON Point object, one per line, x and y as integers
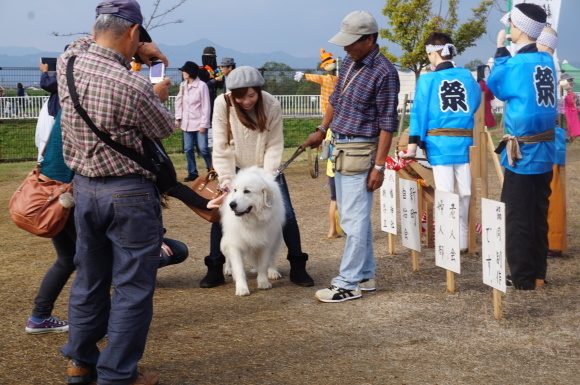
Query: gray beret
{"type": "Point", "coordinates": [243, 77]}
{"type": "Point", "coordinates": [227, 62]}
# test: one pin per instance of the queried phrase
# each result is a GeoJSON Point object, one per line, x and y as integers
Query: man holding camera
{"type": "Point", "coordinates": [118, 212]}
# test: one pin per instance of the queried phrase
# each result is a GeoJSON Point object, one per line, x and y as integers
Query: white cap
{"type": "Point", "coordinates": [355, 25]}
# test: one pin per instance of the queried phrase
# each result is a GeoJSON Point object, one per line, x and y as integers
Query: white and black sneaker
{"type": "Point", "coordinates": [368, 284]}
{"type": "Point", "coordinates": [337, 294]}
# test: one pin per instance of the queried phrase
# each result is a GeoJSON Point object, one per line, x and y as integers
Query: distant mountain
{"type": "Point", "coordinates": [177, 55]}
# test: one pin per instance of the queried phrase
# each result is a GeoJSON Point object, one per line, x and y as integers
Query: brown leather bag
{"type": "Point", "coordinates": [41, 205]}
{"type": "Point", "coordinates": [207, 187]}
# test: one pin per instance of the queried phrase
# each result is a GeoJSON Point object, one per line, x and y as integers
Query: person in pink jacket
{"type": "Point", "coordinates": [193, 116]}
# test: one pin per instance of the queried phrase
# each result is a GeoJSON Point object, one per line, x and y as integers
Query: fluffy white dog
{"type": "Point", "coordinates": [252, 218]}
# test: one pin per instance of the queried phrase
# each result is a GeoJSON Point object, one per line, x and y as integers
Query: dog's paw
{"type": "Point", "coordinates": [228, 272]}
{"type": "Point", "coordinates": [273, 274]}
{"type": "Point", "coordinates": [241, 291]}
{"type": "Point", "coordinates": [265, 285]}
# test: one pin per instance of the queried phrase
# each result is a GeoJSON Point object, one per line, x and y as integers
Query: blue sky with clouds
{"type": "Point", "coordinates": [298, 27]}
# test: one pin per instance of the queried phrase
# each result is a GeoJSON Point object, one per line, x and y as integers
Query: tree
{"type": "Point", "coordinates": [473, 64]}
{"type": "Point", "coordinates": [279, 78]}
{"type": "Point", "coordinates": [155, 20]}
{"type": "Point", "coordinates": [412, 21]}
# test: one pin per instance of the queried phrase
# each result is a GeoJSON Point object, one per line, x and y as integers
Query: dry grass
{"type": "Point", "coordinates": [408, 332]}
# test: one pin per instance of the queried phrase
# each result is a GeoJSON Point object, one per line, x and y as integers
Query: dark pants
{"type": "Point", "coordinates": [180, 253]}
{"type": "Point", "coordinates": [119, 234]}
{"type": "Point", "coordinates": [290, 232]}
{"type": "Point", "coordinates": [58, 274]}
{"type": "Point", "coordinates": [526, 201]}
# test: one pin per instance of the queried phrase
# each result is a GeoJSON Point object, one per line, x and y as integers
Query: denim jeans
{"type": "Point", "coordinates": [354, 208]}
{"type": "Point", "coordinates": [192, 139]}
{"type": "Point", "coordinates": [119, 233]}
{"type": "Point", "coordinates": [58, 274]}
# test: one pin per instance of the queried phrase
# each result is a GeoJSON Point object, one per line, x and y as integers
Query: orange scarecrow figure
{"type": "Point", "coordinates": [326, 82]}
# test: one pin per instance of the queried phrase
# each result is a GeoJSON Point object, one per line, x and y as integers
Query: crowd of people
{"type": "Point", "coordinates": [108, 244]}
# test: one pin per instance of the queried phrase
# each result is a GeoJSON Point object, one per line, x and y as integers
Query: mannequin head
{"type": "Point", "coordinates": [439, 47]}
{"type": "Point", "coordinates": [547, 41]}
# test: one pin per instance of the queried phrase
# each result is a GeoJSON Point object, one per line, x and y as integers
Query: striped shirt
{"type": "Point", "coordinates": [119, 101]}
{"type": "Point", "coordinates": [365, 98]}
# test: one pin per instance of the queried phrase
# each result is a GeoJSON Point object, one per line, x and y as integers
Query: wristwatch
{"type": "Point", "coordinates": [380, 169]}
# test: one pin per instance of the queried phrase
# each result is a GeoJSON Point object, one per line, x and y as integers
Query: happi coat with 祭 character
{"type": "Point", "coordinates": [445, 98]}
{"type": "Point", "coordinates": [515, 79]}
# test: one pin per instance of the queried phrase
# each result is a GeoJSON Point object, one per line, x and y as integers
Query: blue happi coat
{"type": "Point", "coordinates": [446, 98]}
{"type": "Point", "coordinates": [527, 82]}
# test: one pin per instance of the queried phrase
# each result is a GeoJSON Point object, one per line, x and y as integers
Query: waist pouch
{"type": "Point", "coordinates": [354, 157]}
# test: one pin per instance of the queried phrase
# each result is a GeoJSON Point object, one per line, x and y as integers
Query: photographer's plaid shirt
{"type": "Point", "coordinates": [369, 103]}
{"type": "Point", "coordinates": [119, 101]}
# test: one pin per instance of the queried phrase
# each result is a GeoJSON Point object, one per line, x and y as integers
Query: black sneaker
{"type": "Point", "coordinates": [191, 178]}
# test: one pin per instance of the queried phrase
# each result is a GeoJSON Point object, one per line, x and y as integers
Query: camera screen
{"type": "Point", "coordinates": [156, 70]}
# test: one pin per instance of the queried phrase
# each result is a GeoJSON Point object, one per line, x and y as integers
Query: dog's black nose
{"type": "Point", "coordinates": [233, 205]}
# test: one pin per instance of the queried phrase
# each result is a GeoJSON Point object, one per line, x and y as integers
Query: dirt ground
{"type": "Point", "coordinates": [410, 331]}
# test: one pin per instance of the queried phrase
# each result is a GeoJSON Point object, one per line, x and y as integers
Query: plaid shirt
{"type": "Point", "coordinates": [369, 103]}
{"type": "Point", "coordinates": [120, 102]}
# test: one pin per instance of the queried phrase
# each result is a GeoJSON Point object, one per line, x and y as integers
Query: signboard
{"type": "Point", "coordinates": [389, 202]}
{"type": "Point", "coordinates": [493, 244]}
{"type": "Point", "coordinates": [410, 220]}
{"type": "Point", "coordinates": [447, 231]}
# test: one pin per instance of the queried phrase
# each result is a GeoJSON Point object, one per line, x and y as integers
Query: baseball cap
{"type": "Point", "coordinates": [227, 62]}
{"type": "Point", "coordinates": [355, 25]}
{"type": "Point", "coordinates": [125, 9]}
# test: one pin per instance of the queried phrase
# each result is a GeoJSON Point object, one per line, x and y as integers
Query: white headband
{"type": "Point", "coordinates": [548, 40]}
{"type": "Point", "coordinates": [522, 22]}
{"type": "Point", "coordinates": [447, 49]}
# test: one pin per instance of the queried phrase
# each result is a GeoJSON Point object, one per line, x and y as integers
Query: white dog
{"type": "Point", "coordinates": [252, 218]}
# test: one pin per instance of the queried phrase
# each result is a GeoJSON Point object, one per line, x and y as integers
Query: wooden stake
{"type": "Point", "coordinates": [474, 165]}
{"type": "Point", "coordinates": [497, 304]}
{"type": "Point", "coordinates": [403, 114]}
{"type": "Point", "coordinates": [494, 158]}
{"type": "Point", "coordinates": [450, 281]}
{"type": "Point", "coordinates": [391, 244]}
{"type": "Point", "coordinates": [483, 165]}
{"type": "Point", "coordinates": [563, 183]}
{"type": "Point", "coordinates": [415, 260]}
{"type": "Point", "coordinates": [429, 219]}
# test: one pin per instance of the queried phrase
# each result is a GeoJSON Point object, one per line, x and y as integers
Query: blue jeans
{"type": "Point", "coordinates": [119, 232]}
{"type": "Point", "coordinates": [354, 208]}
{"type": "Point", "coordinates": [191, 140]}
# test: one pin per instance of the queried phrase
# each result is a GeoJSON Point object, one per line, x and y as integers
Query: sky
{"type": "Point", "coordinates": [298, 27]}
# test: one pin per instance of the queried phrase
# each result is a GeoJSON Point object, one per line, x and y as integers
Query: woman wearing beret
{"type": "Point", "coordinates": [256, 139]}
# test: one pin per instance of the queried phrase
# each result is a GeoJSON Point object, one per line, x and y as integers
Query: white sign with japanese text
{"type": "Point", "coordinates": [410, 220]}
{"type": "Point", "coordinates": [389, 202]}
{"type": "Point", "coordinates": [447, 231]}
{"type": "Point", "coordinates": [493, 244]}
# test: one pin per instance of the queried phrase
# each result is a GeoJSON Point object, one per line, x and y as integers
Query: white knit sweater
{"type": "Point", "coordinates": [247, 147]}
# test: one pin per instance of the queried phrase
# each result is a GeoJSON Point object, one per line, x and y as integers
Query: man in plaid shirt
{"type": "Point", "coordinates": [118, 211]}
{"type": "Point", "coordinates": [362, 112]}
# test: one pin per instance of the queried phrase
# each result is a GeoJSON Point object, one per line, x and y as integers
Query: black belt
{"type": "Point", "coordinates": [344, 136]}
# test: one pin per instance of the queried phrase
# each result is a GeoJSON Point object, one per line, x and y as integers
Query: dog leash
{"type": "Point", "coordinates": [312, 168]}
